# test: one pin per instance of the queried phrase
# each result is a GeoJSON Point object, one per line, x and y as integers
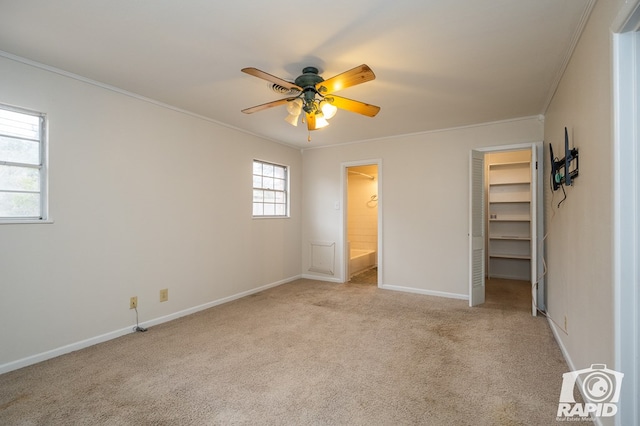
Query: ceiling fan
{"type": "Point", "coordinates": [314, 95]}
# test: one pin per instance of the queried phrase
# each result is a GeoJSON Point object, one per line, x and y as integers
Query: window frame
{"type": "Point", "coordinates": [42, 168]}
{"type": "Point", "coordinates": [286, 191]}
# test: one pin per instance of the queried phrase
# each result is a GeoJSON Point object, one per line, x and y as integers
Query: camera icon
{"type": "Point", "coordinates": [599, 384]}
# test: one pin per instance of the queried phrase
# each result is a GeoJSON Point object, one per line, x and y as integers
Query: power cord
{"type": "Point", "coordinates": [560, 183]}
{"type": "Point", "coordinates": [534, 288]}
{"type": "Point", "coordinates": [564, 193]}
{"type": "Point", "coordinates": [137, 327]}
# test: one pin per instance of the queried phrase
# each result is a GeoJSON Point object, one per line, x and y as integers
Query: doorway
{"type": "Point", "coordinates": [626, 66]}
{"type": "Point", "coordinates": [506, 224]}
{"type": "Point", "coordinates": [362, 223]}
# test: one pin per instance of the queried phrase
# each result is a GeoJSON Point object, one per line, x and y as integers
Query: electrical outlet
{"type": "Point", "coordinates": [133, 302]}
{"type": "Point", "coordinates": [164, 294]}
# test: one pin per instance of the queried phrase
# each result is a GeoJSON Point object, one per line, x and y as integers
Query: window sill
{"type": "Point", "coordinates": [271, 217]}
{"type": "Point", "coordinates": [26, 221]}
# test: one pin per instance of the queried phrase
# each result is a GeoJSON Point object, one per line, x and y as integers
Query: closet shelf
{"type": "Point", "coordinates": [510, 238]}
{"type": "Point", "coordinates": [509, 218]}
{"type": "Point", "coordinates": [509, 183]}
{"type": "Point", "coordinates": [509, 164]}
{"type": "Point", "coordinates": [510, 256]}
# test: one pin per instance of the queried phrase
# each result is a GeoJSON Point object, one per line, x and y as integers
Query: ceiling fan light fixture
{"type": "Point", "coordinates": [294, 107]}
{"type": "Point", "coordinates": [314, 95]}
{"type": "Point", "coordinates": [292, 119]}
{"type": "Point", "coordinates": [328, 109]}
{"type": "Point", "coordinates": [321, 121]}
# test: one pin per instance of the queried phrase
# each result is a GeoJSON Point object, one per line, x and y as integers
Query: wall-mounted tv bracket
{"type": "Point", "coordinates": [558, 179]}
{"type": "Point", "coordinates": [563, 171]}
{"type": "Point", "coordinates": [563, 165]}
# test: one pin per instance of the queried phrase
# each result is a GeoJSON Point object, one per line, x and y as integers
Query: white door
{"type": "Point", "coordinates": [476, 229]}
{"type": "Point", "coordinates": [534, 231]}
{"type": "Point", "coordinates": [627, 211]}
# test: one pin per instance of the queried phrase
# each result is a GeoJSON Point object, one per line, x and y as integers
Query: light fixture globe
{"type": "Point", "coordinates": [292, 119]}
{"type": "Point", "coordinates": [321, 121]}
{"type": "Point", "coordinates": [328, 109]}
{"type": "Point", "coordinates": [294, 107]}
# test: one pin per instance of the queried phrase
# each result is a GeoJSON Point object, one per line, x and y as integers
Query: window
{"type": "Point", "coordinates": [270, 190]}
{"type": "Point", "coordinates": [22, 165]}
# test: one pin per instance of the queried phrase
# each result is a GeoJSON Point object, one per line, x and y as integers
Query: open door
{"type": "Point", "coordinates": [537, 230]}
{"type": "Point", "coordinates": [534, 231]}
{"type": "Point", "coordinates": [476, 229]}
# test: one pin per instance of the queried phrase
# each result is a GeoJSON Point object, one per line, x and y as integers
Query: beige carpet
{"type": "Point", "coordinates": [309, 352]}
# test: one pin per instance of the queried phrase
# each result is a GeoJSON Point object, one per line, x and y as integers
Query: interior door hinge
{"type": "Point", "coordinates": [536, 165]}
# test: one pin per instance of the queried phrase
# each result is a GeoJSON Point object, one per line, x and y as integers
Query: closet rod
{"type": "Point", "coordinates": [362, 174]}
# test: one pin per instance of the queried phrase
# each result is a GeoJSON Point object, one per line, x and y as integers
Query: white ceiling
{"type": "Point", "coordinates": [438, 63]}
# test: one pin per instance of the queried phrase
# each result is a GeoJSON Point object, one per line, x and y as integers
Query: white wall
{"type": "Point", "coordinates": [143, 198]}
{"type": "Point", "coordinates": [424, 202]}
{"type": "Point", "coordinates": [579, 242]}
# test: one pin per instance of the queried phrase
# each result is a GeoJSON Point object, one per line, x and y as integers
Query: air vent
{"type": "Point", "coordinates": [283, 90]}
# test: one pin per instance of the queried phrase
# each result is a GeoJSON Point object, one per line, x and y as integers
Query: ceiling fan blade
{"type": "Point", "coordinates": [272, 78]}
{"type": "Point", "coordinates": [349, 78]}
{"type": "Point", "coordinates": [311, 121]}
{"type": "Point", "coordinates": [267, 105]}
{"type": "Point", "coordinates": [353, 106]}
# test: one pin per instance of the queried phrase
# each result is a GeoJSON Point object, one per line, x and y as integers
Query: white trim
{"type": "Point", "coordinates": [538, 146]}
{"type": "Point", "coordinates": [425, 292]}
{"type": "Point", "coordinates": [330, 270]}
{"type": "Point", "coordinates": [105, 86]}
{"type": "Point", "coordinates": [628, 18]}
{"type": "Point", "coordinates": [25, 221]}
{"type": "Point", "coordinates": [563, 349]}
{"type": "Point", "coordinates": [512, 147]}
{"type": "Point", "coordinates": [571, 365]}
{"type": "Point", "coordinates": [626, 208]}
{"type": "Point", "coordinates": [43, 356]}
{"type": "Point", "coordinates": [322, 278]}
{"type": "Point", "coordinates": [569, 53]}
{"type": "Point", "coordinates": [42, 166]}
{"type": "Point", "coordinates": [428, 132]}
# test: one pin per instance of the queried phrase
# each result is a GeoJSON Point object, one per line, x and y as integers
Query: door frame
{"type": "Point", "coordinates": [343, 228]}
{"type": "Point", "coordinates": [537, 225]}
{"type": "Point", "coordinates": [626, 206]}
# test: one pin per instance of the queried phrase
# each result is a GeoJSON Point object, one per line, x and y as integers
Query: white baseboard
{"type": "Point", "coordinates": [563, 349]}
{"type": "Point", "coordinates": [321, 278]}
{"type": "Point", "coordinates": [43, 356]}
{"type": "Point", "coordinates": [217, 302]}
{"type": "Point", "coordinates": [425, 292]}
{"type": "Point", "coordinates": [572, 367]}
{"type": "Point", "coordinates": [398, 288]}
{"type": "Point", "coordinates": [34, 359]}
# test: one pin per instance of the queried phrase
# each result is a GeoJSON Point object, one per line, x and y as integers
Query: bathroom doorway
{"type": "Point", "coordinates": [362, 223]}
